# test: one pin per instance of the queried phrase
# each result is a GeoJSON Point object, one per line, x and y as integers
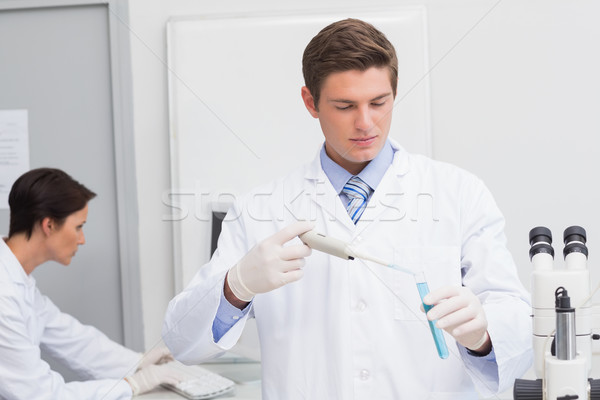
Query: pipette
{"type": "Point", "coordinates": [343, 250]}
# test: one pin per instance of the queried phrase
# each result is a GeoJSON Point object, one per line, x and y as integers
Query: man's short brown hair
{"type": "Point", "coordinates": [346, 45]}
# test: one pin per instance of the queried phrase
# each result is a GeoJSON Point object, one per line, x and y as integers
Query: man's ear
{"type": "Point", "coordinates": [309, 102]}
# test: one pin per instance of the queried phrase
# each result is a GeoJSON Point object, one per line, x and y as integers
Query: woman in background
{"type": "Point", "coordinates": [47, 212]}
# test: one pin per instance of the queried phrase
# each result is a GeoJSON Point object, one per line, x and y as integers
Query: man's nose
{"type": "Point", "coordinates": [364, 120]}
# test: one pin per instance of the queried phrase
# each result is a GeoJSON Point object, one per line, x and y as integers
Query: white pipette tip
{"type": "Point", "coordinates": [377, 260]}
{"type": "Point", "coordinates": [401, 269]}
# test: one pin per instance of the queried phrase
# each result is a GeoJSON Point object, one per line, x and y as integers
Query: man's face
{"type": "Point", "coordinates": [355, 113]}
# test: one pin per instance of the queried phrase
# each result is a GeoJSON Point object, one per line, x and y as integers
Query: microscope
{"type": "Point", "coordinates": [562, 326]}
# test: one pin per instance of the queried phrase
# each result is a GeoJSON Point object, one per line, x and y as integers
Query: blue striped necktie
{"type": "Point", "coordinates": [358, 192]}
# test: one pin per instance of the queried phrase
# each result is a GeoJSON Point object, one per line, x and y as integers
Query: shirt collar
{"type": "Point", "coordinates": [12, 266]}
{"type": "Point", "coordinates": [371, 174]}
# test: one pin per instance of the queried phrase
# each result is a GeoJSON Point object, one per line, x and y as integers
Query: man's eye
{"type": "Point", "coordinates": [343, 108]}
{"type": "Point", "coordinates": [378, 104]}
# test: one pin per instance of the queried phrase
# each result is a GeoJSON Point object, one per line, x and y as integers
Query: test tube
{"type": "Point", "coordinates": [438, 336]}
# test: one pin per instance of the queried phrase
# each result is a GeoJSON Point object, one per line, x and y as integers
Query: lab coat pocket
{"type": "Point", "coordinates": [441, 266]}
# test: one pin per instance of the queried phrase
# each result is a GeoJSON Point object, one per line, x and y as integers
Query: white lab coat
{"type": "Point", "coordinates": [30, 322]}
{"type": "Point", "coordinates": [353, 329]}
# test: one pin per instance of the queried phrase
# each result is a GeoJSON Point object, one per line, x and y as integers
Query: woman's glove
{"type": "Point", "coordinates": [156, 355]}
{"type": "Point", "coordinates": [150, 377]}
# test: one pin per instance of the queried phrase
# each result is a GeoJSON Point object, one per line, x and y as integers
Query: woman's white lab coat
{"type": "Point", "coordinates": [353, 329]}
{"type": "Point", "coordinates": [30, 322]}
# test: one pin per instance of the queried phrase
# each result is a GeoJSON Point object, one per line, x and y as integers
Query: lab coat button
{"type": "Point", "coordinates": [361, 306]}
{"type": "Point", "coordinates": [364, 374]}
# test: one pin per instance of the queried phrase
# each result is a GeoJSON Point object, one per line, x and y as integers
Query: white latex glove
{"type": "Point", "coordinates": [459, 312]}
{"type": "Point", "coordinates": [270, 265]}
{"type": "Point", "coordinates": [156, 355]}
{"type": "Point", "coordinates": [151, 377]}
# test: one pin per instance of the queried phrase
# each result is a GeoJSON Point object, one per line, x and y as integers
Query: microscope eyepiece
{"type": "Point", "coordinates": [540, 248]}
{"type": "Point", "coordinates": [575, 238]}
{"type": "Point", "coordinates": [575, 233]}
{"type": "Point", "coordinates": [540, 234]}
{"type": "Point", "coordinates": [540, 239]}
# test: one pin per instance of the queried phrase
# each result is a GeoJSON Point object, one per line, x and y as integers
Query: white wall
{"type": "Point", "coordinates": [515, 99]}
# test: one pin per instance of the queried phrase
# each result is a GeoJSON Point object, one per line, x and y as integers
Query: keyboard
{"type": "Point", "coordinates": [199, 383]}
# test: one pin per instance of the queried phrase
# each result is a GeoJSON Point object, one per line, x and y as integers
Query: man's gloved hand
{"type": "Point", "coordinates": [151, 377]}
{"type": "Point", "coordinates": [459, 312]}
{"type": "Point", "coordinates": [270, 265]}
{"type": "Point", "coordinates": [156, 355]}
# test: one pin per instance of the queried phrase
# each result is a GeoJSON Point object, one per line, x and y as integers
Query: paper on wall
{"type": "Point", "coordinates": [14, 150]}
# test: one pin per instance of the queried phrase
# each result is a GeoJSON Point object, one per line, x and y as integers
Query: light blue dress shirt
{"type": "Point", "coordinates": [372, 174]}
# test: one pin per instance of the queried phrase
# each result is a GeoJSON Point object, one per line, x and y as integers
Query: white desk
{"type": "Point", "coordinates": [242, 372]}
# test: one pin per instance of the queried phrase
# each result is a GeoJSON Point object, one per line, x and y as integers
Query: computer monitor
{"type": "Point", "coordinates": [216, 224]}
{"type": "Point", "coordinates": [248, 345]}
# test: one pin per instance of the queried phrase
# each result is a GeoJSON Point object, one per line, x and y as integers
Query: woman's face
{"type": "Point", "coordinates": [64, 240]}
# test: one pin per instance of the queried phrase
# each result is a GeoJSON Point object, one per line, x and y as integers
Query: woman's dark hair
{"type": "Point", "coordinates": [41, 193]}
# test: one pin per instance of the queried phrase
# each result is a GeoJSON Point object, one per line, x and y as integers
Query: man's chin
{"type": "Point", "coordinates": [364, 155]}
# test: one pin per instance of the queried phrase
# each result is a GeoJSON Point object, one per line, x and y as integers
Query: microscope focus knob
{"type": "Point", "coordinates": [594, 389]}
{"type": "Point", "coordinates": [525, 389]}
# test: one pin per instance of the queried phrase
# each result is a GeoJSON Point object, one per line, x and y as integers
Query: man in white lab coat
{"type": "Point", "coordinates": [338, 329]}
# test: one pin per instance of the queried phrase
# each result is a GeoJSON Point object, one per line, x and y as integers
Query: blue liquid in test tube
{"type": "Point", "coordinates": [438, 336]}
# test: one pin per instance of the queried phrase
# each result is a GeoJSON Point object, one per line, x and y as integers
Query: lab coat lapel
{"type": "Point", "coordinates": [324, 196]}
{"type": "Point", "coordinates": [388, 202]}
{"type": "Point", "coordinates": [389, 198]}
